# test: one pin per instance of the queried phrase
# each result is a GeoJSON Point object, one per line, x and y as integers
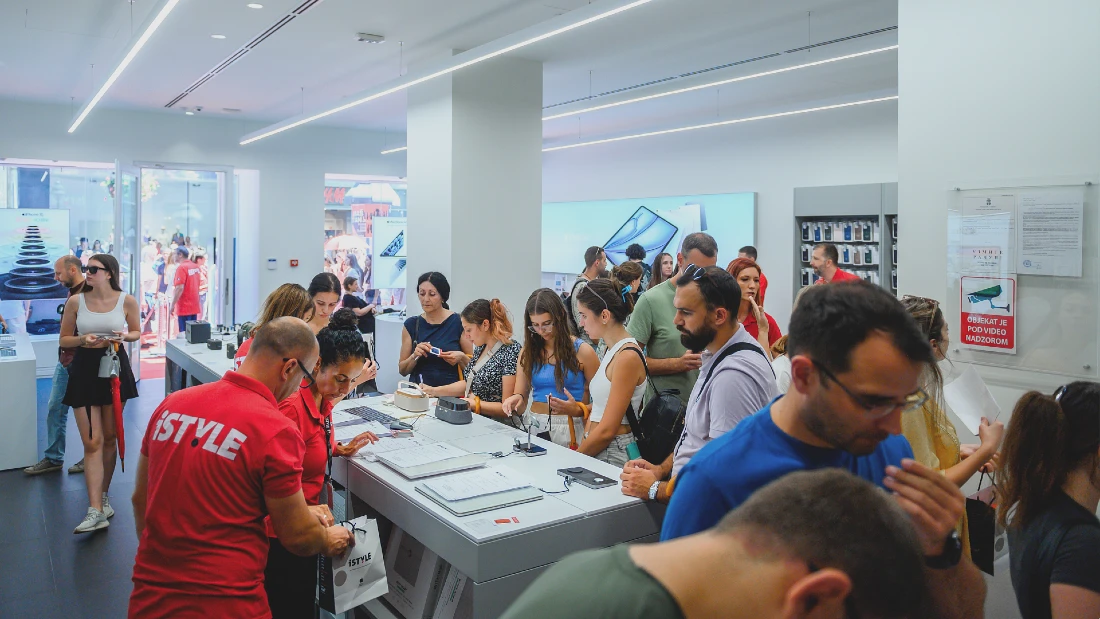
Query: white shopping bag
{"type": "Point", "coordinates": [356, 578]}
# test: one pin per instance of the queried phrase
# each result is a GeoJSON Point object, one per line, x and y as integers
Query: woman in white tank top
{"type": "Point", "coordinates": [604, 305]}
{"type": "Point", "coordinates": [93, 321]}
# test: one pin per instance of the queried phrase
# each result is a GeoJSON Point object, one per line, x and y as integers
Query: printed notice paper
{"type": "Point", "coordinates": [424, 454]}
{"type": "Point", "coordinates": [461, 486]}
{"type": "Point", "coordinates": [988, 235]}
{"type": "Point", "coordinates": [1050, 233]}
{"type": "Point", "coordinates": [970, 399]}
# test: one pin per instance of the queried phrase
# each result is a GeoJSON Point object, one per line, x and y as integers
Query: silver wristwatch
{"type": "Point", "coordinates": [653, 490]}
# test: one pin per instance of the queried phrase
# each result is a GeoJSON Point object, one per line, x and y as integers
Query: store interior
{"type": "Point", "coordinates": [294, 138]}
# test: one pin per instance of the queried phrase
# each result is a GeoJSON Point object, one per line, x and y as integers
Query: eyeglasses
{"type": "Point", "coordinates": [94, 269]}
{"type": "Point", "coordinates": [309, 377]}
{"type": "Point", "coordinates": [541, 329]}
{"type": "Point", "coordinates": [911, 402]}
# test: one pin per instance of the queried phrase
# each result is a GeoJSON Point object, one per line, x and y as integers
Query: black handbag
{"type": "Point", "coordinates": [662, 422]}
{"type": "Point", "coordinates": [981, 524]}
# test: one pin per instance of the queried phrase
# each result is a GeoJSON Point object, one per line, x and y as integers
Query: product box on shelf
{"type": "Point", "coordinates": [456, 598]}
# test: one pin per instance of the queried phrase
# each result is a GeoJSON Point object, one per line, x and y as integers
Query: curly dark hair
{"type": "Point", "coordinates": [341, 341]}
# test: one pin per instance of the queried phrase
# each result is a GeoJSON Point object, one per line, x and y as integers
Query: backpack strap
{"type": "Point", "coordinates": [738, 347]}
{"type": "Point", "coordinates": [631, 415]}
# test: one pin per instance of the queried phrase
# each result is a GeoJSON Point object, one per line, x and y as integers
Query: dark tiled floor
{"type": "Point", "coordinates": [45, 570]}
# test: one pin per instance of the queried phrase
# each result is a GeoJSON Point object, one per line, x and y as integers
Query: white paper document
{"type": "Point", "coordinates": [461, 486]}
{"type": "Point", "coordinates": [1050, 233]}
{"type": "Point", "coordinates": [346, 433]}
{"type": "Point", "coordinates": [423, 454]}
{"type": "Point", "coordinates": [970, 399]}
{"type": "Point", "coordinates": [988, 234]}
{"type": "Point", "coordinates": [386, 445]}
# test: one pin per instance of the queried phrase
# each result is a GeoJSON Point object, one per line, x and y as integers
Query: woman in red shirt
{"type": "Point", "coordinates": [286, 300]}
{"type": "Point", "coordinates": [758, 323]}
{"type": "Point", "coordinates": [291, 580]}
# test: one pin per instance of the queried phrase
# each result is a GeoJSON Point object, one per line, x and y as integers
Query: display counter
{"type": "Point", "coordinates": [503, 550]}
{"type": "Point", "coordinates": [501, 560]}
{"type": "Point", "coordinates": [193, 364]}
{"type": "Point", "coordinates": [19, 414]}
{"type": "Point", "coordinates": [387, 350]}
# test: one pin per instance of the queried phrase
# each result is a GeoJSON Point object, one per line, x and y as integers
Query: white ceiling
{"type": "Point", "coordinates": [47, 47]}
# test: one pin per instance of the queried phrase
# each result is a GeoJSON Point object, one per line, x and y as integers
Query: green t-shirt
{"type": "Point", "coordinates": [603, 583]}
{"type": "Point", "coordinates": [652, 325]}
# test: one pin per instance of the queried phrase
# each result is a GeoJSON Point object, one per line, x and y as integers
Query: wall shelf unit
{"type": "Point", "coordinates": [861, 220]}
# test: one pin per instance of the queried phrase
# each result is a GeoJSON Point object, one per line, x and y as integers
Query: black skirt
{"type": "Point", "coordinates": [86, 388]}
{"type": "Point", "coordinates": [291, 583]}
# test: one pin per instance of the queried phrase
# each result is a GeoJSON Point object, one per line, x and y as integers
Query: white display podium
{"type": "Point", "coordinates": [19, 413]}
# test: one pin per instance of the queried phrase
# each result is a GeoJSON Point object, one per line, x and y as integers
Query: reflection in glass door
{"type": "Point", "coordinates": [127, 223]}
{"type": "Point", "coordinates": [188, 208]}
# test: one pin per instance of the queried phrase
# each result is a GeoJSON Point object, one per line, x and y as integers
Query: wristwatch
{"type": "Point", "coordinates": [952, 553]}
{"type": "Point", "coordinates": [653, 490]}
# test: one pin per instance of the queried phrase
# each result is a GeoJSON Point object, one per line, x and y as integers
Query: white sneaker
{"type": "Point", "coordinates": [108, 511]}
{"type": "Point", "coordinates": [94, 521]}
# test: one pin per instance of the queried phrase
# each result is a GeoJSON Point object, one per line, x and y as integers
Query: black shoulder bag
{"type": "Point", "coordinates": [662, 420]}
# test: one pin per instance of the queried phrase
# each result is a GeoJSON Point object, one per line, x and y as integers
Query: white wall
{"type": "Point", "coordinates": [771, 158]}
{"type": "Point", "coordinates": [291, 167]}
{"type": "Point", "coordinates": [992, 93]}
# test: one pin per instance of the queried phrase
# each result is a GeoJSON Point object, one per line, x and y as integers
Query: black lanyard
{"type": "Point", "coordinates": [327, 486]}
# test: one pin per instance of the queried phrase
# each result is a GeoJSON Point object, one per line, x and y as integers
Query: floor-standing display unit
{"type": "Point", "coordinates": [19, 413]}
{"type": "Point", "coordinates": [861, 220]}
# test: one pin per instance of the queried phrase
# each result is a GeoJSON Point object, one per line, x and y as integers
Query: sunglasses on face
{"type": "Point", "coordinates": [94, 269]}
{"type": "Point", "coordinates": [911, 402]}
{"type": "Point", "coordinates": [309, 377]}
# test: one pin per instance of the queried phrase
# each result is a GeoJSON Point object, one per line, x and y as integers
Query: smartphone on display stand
{"type": "Point", "coordinates": [587, 478]}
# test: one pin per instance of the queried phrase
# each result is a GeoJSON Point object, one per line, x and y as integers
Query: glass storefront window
{"type": "Point", "coordinates": [365, 223]}
{"type": "Point", "coordinates": [47, 211]}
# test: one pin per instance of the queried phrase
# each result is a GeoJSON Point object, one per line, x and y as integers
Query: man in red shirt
{"type": "Point", "coordinates": [185, 299]}
{"type": "Point", "coordinates": [216, 459]}
{"type": "Point", "coordinates": [749, 251]}
{"type": "Point", "coordinates": [824, 261]}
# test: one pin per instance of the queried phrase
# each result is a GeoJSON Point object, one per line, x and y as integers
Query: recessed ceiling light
{"type": "Point", "coordinates": [217, 36]}
{"type": "Point", "coordinates": [189, 113]}
{"type": "Point", "coordinates": [254, 5]}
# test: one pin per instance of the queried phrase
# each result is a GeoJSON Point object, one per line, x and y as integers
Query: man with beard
{"type": "Point", "coordinates": [736, 376]}
{"type": "Point", "coordinates": [856, 362]}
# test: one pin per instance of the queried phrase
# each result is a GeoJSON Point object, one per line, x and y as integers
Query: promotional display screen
{"type": "Point", "coordinates": [657, 224]}
{"type": "Point", "coordinates": [30, 241]}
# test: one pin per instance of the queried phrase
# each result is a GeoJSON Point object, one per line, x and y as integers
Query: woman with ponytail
{"type": "Point", "coordinates": [620, 381]}
{"type": "Point", "coordinates": [291, 580]}
{"type": "Point", "coordinates": [1049, 495]}
{"type": "Point", "coordinates": [491, 374]}
{"type": "Point", "coordinates": [627, 277]}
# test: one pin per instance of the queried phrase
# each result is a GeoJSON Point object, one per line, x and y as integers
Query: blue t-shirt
{"type": "Point", "coordinates": [730, 468]}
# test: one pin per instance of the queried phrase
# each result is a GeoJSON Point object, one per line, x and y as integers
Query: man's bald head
{"type": "Point", "coordinates": [285, 337]}
{"type": "Point", "coordinates": [67, 270]}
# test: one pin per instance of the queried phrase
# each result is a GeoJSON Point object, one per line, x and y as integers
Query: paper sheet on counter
{"type": "Point", "coordinates": [461, 486]}
{"type": "Point", "coordinates": [421, 455]}
{"type": "Point", "coordinates": [346, 433]}
{"type": "Point", "coordinates": [370, 452]}
{"type": "Point", "coordinates": [970, 399]}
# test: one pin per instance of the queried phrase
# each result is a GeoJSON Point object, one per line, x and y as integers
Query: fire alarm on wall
{"type": "Point", "coordinates": [293, 263]}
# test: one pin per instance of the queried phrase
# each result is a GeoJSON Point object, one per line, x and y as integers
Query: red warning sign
{"type": "Point", "coordinates": [987, 317]}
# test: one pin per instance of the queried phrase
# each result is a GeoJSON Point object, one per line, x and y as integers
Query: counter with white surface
{"type": "Point", "coordinates": [19, 413]}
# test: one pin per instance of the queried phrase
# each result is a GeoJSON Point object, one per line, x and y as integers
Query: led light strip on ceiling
{"type": "Point", "coordinates": [395, 150]}
{"type": "Point", "coordinates": [719, 124]}
{"type": "Point", "coordinates": [574, 19]}
{"type": "Point", "coordinates": [720, 83]}
{"type": "Point", "coordinates": [157, 16]}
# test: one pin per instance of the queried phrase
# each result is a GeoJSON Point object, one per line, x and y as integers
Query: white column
{"type": "Point", "coordinates": [475, 182]}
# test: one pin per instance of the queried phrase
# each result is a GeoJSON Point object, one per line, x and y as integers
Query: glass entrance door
{"type": "Point", "coordinates": [192, 208]}
{"type": "Point", "coordinates": [125, 244]}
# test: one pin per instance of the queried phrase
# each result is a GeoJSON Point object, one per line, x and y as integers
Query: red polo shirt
{"type": "Point", "coordinates": [187, 275]}
{"type": "Point", "coordinates": [214, 452]}
{"type": "Point", "coordinates": [302, 412]}
{"type": "Point", "coordinates": [753, 329]}
{"type": "Point", "coordinates": [841, 276]}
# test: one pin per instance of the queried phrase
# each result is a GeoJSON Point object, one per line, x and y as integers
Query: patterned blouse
{"type": "Point", "coordinates": [487, 382]}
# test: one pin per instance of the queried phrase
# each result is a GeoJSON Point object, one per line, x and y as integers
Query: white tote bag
{"type": "Point", "coordinates": [357, 577]}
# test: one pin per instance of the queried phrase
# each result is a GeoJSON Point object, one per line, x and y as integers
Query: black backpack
{"type": "Point", "coordinates": [662, 421]}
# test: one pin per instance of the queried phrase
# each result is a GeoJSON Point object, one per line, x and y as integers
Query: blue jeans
{"type": "Point", "coordinates": [182, 321]}
{"type": "Point", "coordinates": [57, 416]}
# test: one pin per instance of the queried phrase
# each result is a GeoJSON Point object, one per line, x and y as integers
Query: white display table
{"type": "Point", "coordinates": [500, 560]}
{"type": "Point", "coordinates": [19, 413]}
